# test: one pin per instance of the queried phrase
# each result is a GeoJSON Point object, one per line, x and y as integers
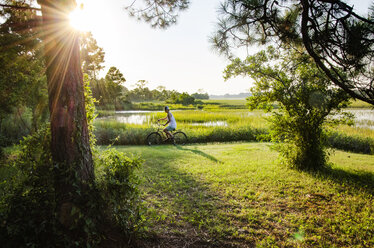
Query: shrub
{"type": "Point", "coordinates": [350, 143]}
{"type": "Point", "coordinates": [305, 98]}
{"type": "Point", "coordinates": [15, 126]}
{"type": "Point", "coordinates": [27, 210]}
{"type": "Point", "coordinates": [119, 188]}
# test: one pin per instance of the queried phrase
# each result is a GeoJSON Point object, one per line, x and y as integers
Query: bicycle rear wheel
{"type": "Point", "coordinates": [180, 138]}
{"type": "Point", "coordinates": [154, 139]}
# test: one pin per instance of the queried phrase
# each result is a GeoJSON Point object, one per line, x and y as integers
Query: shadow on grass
{"type": "Point", "coordinates": [183, 211]}
{"type": "Point", "coordinates": [198, 152]}
{"type": "Point", "coordinates": [361, 181]}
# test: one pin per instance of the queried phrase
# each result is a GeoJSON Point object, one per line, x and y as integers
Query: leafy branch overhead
{"type": "Point", "coordinates": [340, 41]}
{"type": "Point", "coordinates": [159, 13]}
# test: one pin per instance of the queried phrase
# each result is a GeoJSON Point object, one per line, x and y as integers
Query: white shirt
{"type": "Point", "coordinates": [172, 122]}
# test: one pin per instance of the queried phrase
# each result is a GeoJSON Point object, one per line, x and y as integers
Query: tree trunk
{"type": "Point", "coordinates": [70, 146]}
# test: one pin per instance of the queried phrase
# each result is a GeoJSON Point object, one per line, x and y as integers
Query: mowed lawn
{"type": "Point", "coordinates": [237, 195]}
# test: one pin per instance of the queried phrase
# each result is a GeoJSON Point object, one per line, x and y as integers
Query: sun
{"type": "Point", "coordinates": [80, 19]}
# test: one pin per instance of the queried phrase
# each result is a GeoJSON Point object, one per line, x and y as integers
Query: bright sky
{"type": "Point", "coordinates": [179, 58]}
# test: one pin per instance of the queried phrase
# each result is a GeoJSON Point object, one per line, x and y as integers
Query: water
{"type": "Point", "coordinates": [211, 124]}
{"type": "Point", "coordinates": [131, 117]}
{"type": "Point", "coordinates": [364, 118]}
{"type": "Point", "coordinates": [135, 112]}
{"type": "Point", "coordinates": [143, 117]}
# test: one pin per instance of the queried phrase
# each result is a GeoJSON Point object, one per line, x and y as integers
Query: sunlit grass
{"type": "Point", "coordinates": [222, 125]}
{"type": "Point", "coordinates": [226, 102]}
{"type": "Point", "coordinates": [355, 131]}
{"type": "Point", "coordinates": [237, 194]}
{"type": "Point", "coordinates": [360, 104]}
{"type": "Point", "coordinates": [238, 126]}
{"type": "Point", "coordinates": [254, 118]}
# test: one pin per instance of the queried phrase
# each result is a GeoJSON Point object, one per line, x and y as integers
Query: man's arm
{"type": "Point", "coordinates": [167, 118]}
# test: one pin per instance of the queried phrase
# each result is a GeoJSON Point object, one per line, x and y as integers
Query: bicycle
{"type": "Point", "coordinates": [159, 137]}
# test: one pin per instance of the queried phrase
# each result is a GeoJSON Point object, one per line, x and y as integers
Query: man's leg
{"type": "Point", "coordinates": [168, 134]}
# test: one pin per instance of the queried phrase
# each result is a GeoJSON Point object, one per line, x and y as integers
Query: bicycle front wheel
{"type": "Point", "coordinates": [154, 139]}
{"type": "Point", "coordinates": [180, 138]}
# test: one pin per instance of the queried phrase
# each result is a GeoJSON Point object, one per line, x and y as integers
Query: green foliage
{"type": "Point", "coordinates": [114, 80]}
{"type": "Point", "coordinates": [30, 206]}
{"type": "Point", "coordinates": [305, 99]}
{"type": "Point", "coordinates": [20, 63]}
{"type": "Point", "coordinates": [90, 109]}
{"type": "Point", "coordinates": [158, 13]}
{"type": "Point", "coordinates": [92, 56]}
{"type": "Point", "coordinates": [16, 126]}
{"type": "Point", "coordinates": [184, 99]}
{"type": "Point", "coordinates": [112, 95]}
{"type": "Point", "coordinates": [30, 210]}
{"type": "Point", "coordinates": [22, 80]}
{"type": "Point", "coordinates": [27, 208]}
{"type": "Point", "coordinates": [200, 95]}
{"type": "Point", "coordinates": [136, 136]}
{"type": "Point", "coordinates": [142, 93]}
{"type": "Point", "coordinates": [346, 142]}
{"type": "Point", "coordinates": [119, 186]}
{"type": "Point", "coordinates": [339, 41]}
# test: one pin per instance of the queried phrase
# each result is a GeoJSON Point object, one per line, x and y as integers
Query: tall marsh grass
{"type": "Point", "coordinates": [115, 133]}
{"type": "Point", "coordinates": [358, 144]}
{"type": "Point", "coordinates": [239, 126]}
{"type": "Point", "coordinates": [233, 117]}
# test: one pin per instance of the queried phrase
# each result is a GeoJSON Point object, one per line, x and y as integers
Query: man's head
{"type": "Point", "coordinates": [166, 109]}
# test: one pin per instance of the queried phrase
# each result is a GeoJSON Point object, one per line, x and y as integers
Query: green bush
{"type": "Point", "coordinates": [119, 188]}
{"type": "Point", "coordinates": [305, 98]}
{"type": "Point", "coordinates": [27, 210]}
{"type": "Point", "coordinates": [28, 207]}
{"type": "Point", "coordinates": [128, 135]}
{"type": "Point", "coordinates": [350, 143]}
{"type": "Point", "coordinates": [15, 126]}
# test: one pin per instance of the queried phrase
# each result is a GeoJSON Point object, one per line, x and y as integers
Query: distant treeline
{"type": "Point", "coordinates": [230, 96]}
{"type": "Point", "coordinates": [113, 95]}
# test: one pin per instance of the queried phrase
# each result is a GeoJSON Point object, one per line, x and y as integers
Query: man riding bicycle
{"type": "Point", "coordinates": [171, 121]}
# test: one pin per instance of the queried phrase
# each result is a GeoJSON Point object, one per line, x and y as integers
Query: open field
{"type": "Point", "coordinates": [225, 104]}
{"type": "Point", "coordinates": [226, 101]}
{"type": "Point", "coordinates": [360, 104]}
{"type": "Point", "coordinates": [206, 104]}
{"type": "Point", "coordinates": [235, 195]}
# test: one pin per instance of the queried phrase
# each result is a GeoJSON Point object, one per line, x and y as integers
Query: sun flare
{"type": "Point", "coordinates": [80, 19]}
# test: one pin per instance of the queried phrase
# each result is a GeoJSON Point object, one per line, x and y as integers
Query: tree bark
{"type": "Point", "coordinates": [70, 145]}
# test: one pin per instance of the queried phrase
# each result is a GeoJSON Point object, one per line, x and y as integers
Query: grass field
{"type": "Point", "coordinates": [235, 195]}
{"type": "Point", "coordinates": [360, 104]}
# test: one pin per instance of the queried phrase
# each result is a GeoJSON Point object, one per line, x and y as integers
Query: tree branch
{"type": "Point", "coordinates": [19, 7]}
{"type": "Point", "coordinates": [308, 46]}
